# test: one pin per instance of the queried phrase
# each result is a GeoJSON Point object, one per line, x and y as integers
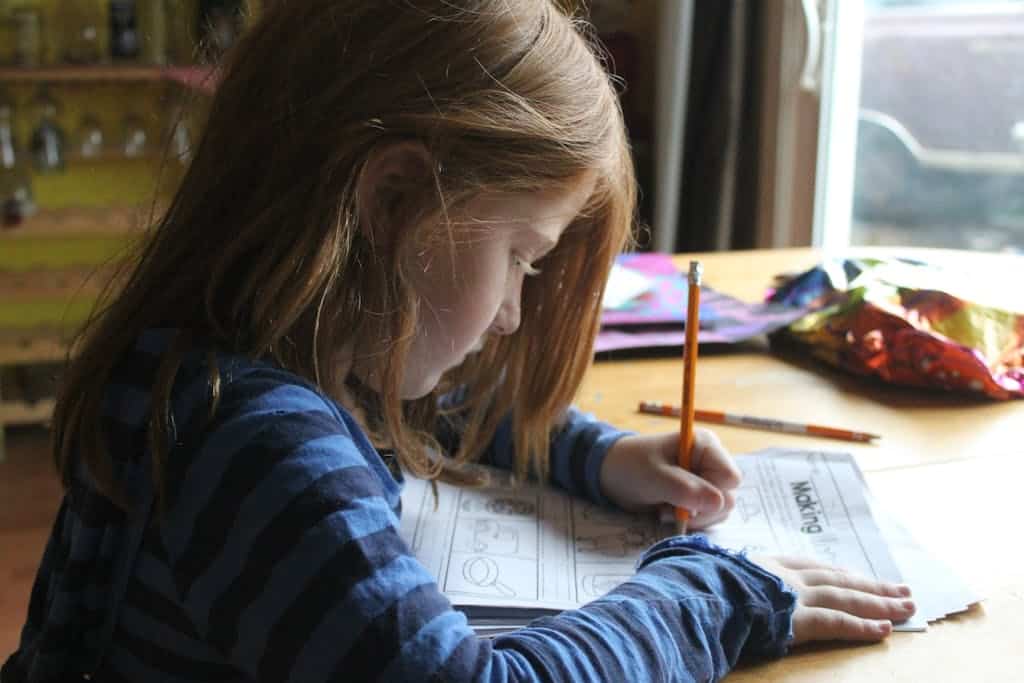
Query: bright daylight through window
{"type": "Point", "coordinates": [940, 133]}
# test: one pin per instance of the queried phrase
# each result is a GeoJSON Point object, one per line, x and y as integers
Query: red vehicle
{"type": "Point", "coordinates": [941, 129]}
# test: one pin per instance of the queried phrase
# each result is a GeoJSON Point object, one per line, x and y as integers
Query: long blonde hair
{"type": "Point", "coordinates": [260, 252]}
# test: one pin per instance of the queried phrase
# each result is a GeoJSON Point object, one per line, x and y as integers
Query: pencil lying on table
{"type": "Point", "coordinates": [768, 424]}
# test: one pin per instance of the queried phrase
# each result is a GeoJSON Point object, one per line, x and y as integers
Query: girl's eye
{"type": "Point", "coordinates": [525, 265]}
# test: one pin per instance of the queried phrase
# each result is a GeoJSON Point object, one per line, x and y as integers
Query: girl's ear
{"type": "Point", "coordinates": [391, 189]}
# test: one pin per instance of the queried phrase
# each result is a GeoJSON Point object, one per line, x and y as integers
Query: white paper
{"type": "Point", "coordinates": [810, 504]}
{"type": "Point", "coordinates": [533, 547]}
{"type": "Point", "coordinates": [938, 590]}
{"type": "Point", "coordinates": [623, 286]}
{"type": "Point", "coordinates": [528, 546]}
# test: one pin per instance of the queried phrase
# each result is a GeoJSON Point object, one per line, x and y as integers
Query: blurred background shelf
{"type": "Point", "coordinates": [98, 73]}
{"type": "Point", "coordinates": [100, 103]}
{"type": "Point", "coordinates": [199, 78]}
{"type": "Point", "coordinates": [78, 220]}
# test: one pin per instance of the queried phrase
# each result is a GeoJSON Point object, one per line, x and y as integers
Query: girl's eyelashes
{"type": "Point", "coordinates": [528, 269]}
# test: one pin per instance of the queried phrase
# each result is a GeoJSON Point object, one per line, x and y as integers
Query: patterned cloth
{"type": "Point", "coordinates": [657, 319]}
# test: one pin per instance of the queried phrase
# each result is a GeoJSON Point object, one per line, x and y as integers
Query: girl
{"type": "Point", "coordinates": [391, 243]}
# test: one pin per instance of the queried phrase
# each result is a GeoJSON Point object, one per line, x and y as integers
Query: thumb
{"type": "Point", "coordinates": [687, 490]}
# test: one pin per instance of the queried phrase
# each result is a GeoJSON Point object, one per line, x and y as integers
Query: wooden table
{"type": "Point", "coordinates": [950, 467]}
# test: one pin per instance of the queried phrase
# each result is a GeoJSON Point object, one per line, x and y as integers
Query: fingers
{"type": "Point", "coordinates": [821, 623]}
{"type": "Point", "coordinates": [690, 491]}
{"type": "Point", "coordinates": [814, 573]}
{"type": "Point", "coordinates": [858, 603]}
{"type": "Point", "coordinates": [840, 579]}
{"type": "Point", "coordinates": [642, 470]}
{"type": "Point", "coordinates": [703, 488]}
{"type": "Point", "coordinates": [703, 521]}
{"type": "Point", "coordinates": [837, 605]}
{"type": "Point", "coordinates": [712, 461]}
{"type": "Point", "coordinates": [667, 514]}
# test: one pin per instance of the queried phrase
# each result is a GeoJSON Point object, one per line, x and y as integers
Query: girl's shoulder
{"type": "Point", "coordinates": [232, 412]}
{"type": "Point", "coordinates": [212, 388]}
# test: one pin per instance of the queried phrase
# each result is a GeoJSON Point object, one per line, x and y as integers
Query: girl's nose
{"type": "Point", "coordinates": [507, 320]}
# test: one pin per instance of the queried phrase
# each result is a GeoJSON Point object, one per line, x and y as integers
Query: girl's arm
{"type": "Point", "coordinates": [593, 460]}
{"type": "Point", "coordinates": [283, 541]}
{"type": "Point", "coordinates": [578, 450]}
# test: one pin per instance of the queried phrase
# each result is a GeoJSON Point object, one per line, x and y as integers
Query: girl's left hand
{"type": "Point", "coordinates": [642, 471]}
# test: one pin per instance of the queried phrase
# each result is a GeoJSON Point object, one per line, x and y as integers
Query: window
{"type": "Point", "coordinates": [930, 150]}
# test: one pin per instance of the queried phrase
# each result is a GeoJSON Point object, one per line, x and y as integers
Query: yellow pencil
{"type": "Point", "coordinates": [689, 379]}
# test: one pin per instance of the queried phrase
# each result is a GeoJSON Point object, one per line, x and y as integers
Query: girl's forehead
{"type": "Point", "coordinates": [538, 217]}
{"type": "Point", "coordinates": [561, 202]}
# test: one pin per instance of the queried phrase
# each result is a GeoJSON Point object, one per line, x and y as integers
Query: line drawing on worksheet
{"type": "Point", "coordinates": [528, 544]}
{"type": "Point", "coordinates": [483, 543]}
{"type": "Point", "coordinates": [605, 547]}
{"type": "Point", "coordinates": [494, 547]}
{"type": "Point", "coordinates": [533, 545]}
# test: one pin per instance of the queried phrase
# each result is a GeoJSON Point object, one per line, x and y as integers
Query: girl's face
{"type": "Point", "coordinates": [473, 289]}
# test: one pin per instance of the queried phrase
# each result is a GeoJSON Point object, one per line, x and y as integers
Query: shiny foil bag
{"type": "Point", "coordinates": [911, 323]}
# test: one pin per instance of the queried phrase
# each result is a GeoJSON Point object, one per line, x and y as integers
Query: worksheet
{"type": "Point", "coordinates": [504, 553]}
{"type": "Point", "coordinates": [806, 503]}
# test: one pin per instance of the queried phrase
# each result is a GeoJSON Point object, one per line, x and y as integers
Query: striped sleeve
{"type": "Point", "coordinates": [284, 552]}
{"type": "Point", "coordinates": [578, 449]}
{"type": "Point", "coordinates": [284, 547]}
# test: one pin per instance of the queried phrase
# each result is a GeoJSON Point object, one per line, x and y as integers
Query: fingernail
{"type": "Point", "coordinates": [907, 604]}
{"type": "Point", "coordinates": [709, 502]}
{"type": "Point", "coordinates": [903, 589]}
{"type": "Point", "coordinates": [883, 627]}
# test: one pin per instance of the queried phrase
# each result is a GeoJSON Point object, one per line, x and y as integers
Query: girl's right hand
{"type": "Point", "coordinates": [833, 604]}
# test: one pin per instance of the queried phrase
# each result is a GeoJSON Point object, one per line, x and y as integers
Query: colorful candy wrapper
{"type": "Point", "coordinates": [911, 323]}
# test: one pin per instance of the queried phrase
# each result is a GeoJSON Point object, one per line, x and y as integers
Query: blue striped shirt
{"type": "Point", "coordinates": [276, 556]}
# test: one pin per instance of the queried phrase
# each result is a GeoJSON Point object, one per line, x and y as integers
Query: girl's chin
{"type": "Point", "coordinates": [420, 387]}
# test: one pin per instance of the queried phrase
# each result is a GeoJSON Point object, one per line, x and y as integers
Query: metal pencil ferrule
{"type": "Point", "coordinates": [696, 272]}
